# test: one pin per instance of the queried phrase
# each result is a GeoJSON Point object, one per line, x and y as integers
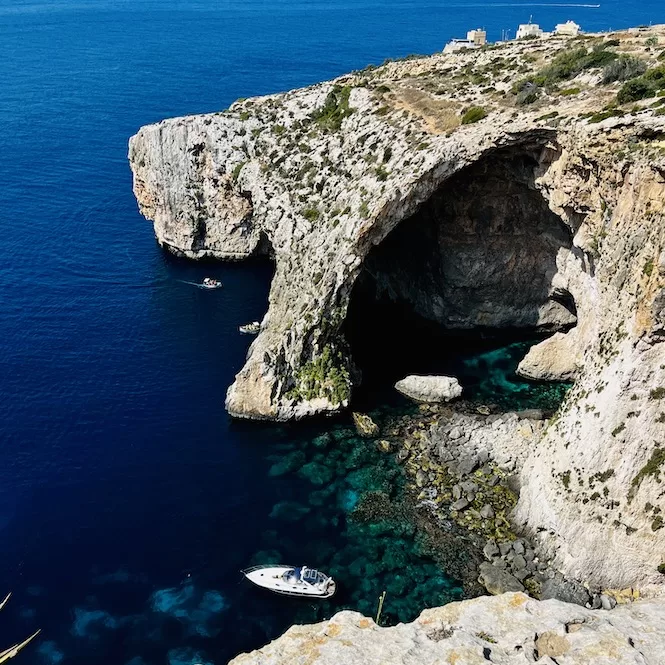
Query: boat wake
{"type": "Point", "coordinates": [199, 285]}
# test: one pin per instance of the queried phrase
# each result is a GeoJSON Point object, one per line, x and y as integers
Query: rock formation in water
{"type": "Point", "coordinates": [504, 629]}
{"type": "Point", "coordinates": [497, 188]}
{"type": "Point", "coordinates": [429, 388]}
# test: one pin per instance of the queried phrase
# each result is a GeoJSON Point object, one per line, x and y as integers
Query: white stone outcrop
{"type": "Point", "coordinates": [432, 389]}
{"type": "Point", "coordinates": [553, 359]}
{"type": "Point", "coordinates": [506, 629]}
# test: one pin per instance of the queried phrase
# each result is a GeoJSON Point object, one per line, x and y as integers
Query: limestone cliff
{"type": "Point", "coordinates": [504, 629]}
{"type": "Point", "coordinates": [498, 188]}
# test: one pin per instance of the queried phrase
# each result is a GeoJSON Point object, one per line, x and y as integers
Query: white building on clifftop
{"type": "Point", "coordinates": [474, 39]}
{"type": "Point", "coordinates": [568, 29]}
{"type": "Point", "coordinates": [527, 30]}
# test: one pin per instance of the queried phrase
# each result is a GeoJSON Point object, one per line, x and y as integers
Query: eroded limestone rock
{"type": "Point", "coordinates": [432, 389]}
{"type": "Point", "coordinates": [554, 359]}
{"type": "Point", "coordinates": [509, 628]}
{"type": "Point", "coordinates": [498, 581]}
{"type": "Point", "coordinates": [566, 228]}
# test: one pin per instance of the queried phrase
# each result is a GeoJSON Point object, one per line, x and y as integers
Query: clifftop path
{"type": "Point", "coordinates": [519, 185]}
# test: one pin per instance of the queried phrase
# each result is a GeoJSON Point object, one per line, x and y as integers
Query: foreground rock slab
{"type": "Point", "coordinates": [510, 628]}
{"type": "Point", "coordinates": [432, 389]}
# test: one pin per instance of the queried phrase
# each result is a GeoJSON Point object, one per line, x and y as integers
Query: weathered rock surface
{"type": "Point", "coordinates": [554, 359]}
{"type": "Point", "coordinates": [365, 426]}
{"type": "Point", "coordinates": [510, 628]}
{"type": "Point", "coordinates": [452, 458]}
{"type": "Point", "coordinates": [498, 581]}
{"type": "Point", "coordinates": [541, 217]}
{"type": "Point", "coordinates": [431, 389]}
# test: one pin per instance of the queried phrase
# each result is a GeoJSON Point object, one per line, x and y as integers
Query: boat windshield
{"type": "Point", "coordinates": [293, 576]}
{"type": "Point", "coordinates": [314, 576]}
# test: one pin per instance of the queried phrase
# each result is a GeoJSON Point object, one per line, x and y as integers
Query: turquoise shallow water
{"type": "Point", "coordinates": [129, 500]}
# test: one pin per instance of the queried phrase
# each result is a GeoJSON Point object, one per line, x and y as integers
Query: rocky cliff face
{"type": "Point", "coordinates": [546, 214]}
{"type": "Point", "coordinates": [504, 629]}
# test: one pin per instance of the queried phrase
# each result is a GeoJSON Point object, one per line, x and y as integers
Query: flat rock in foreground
{"type": "Point", "coordinates": [505, 629]}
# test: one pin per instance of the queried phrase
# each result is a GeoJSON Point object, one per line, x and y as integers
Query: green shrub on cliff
{"type": "Point", "coordinates": [334, 110]}
{"type": "Point", "coordinates": [643, 87]}
{"type": "Point", "coordinates": [311, 214]}
{"type": "Point", "coordinates": [624, 68]}
{"type": "Point", "coordinates": [569, 64]}
{"type": "Point", "coordinates": [633, 91]}
{"type": "Point", "coordinates": [565, 66]}
{"type": "Point", "coordinates": [653, 468]}
{"type": "Point", "coordinates": [604, 115]}
{"type": "Point", "coordinates": [528, 95]}
{"type": "Point", "coordinates": [326, 376]}
{"type": "Point", "coordinates": [474, 114]}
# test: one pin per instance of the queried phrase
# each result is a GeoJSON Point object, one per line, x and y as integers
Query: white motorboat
{"type": "Point", "coordinates": [211, 283]}
{"type": "Point", "coordinates": [292, 580]}
{"type": "Point", "coordinates": [250, 328]}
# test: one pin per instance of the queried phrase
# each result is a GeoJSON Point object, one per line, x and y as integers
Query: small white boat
{"type": "Point", "coordinates": [292, 580]}
{"type": "Point", "coordinates": [211, 283]}
{"type": "Point", "coordinates": [250, 328]}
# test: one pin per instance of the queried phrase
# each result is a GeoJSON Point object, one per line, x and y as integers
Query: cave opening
{"type": "Point", "coordinates": [464, 286]}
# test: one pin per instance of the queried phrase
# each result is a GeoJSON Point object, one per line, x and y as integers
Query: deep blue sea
{"type": "Point", "coordinates": [128, 499]}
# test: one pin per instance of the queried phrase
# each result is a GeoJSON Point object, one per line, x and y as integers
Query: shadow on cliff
{"type": "Point", "coordinates": [472, 270]}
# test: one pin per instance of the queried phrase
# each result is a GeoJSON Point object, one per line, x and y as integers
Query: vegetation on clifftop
{"type": "Point", "coordinates": [335, 109]}
{"type": "Point", "coordinates": [474, 114]}
{"type": "Point", "coordinates": [644, 86]}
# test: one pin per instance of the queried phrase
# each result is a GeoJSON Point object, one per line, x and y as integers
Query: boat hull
{"type": "Point", "coordinates": [271, 578]}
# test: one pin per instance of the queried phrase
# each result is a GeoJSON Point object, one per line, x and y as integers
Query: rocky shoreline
{"type": "Point", "coordinates": [463, 463]}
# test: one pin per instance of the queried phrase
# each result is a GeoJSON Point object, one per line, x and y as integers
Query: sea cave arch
{"type": "Point", "coordinates": [473, 267]}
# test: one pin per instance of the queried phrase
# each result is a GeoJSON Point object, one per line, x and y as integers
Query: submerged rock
{"type": "Point", "coordinates": [365, 426]}
{"type": "Point", "coordinates": [430, 388]}
{"type": "Point", "coordinates": [289, 511]}
{"type": "Point", "coordinates": [291, 462]}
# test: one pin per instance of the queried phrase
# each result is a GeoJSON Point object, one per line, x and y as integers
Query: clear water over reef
{"type": "Point", "coordinates": [129, 500]}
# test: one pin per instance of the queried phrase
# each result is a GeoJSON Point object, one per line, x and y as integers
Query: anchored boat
{"type": "Point", "coordinates": [292, 580]}
{"type": "Point", "coordinates": [250, 328]}
{"type": "Point", "coordinates": [211, 283]}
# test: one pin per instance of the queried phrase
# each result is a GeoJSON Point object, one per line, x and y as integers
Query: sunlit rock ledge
{"type": "Point", "coordinates": [542, 211]}
{"type": "Point", "coordinates": [510, 628]}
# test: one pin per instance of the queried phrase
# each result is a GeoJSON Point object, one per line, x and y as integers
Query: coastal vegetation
{"type": "Point", "coordinates": [644, 86]}
{"type": "Point", "coordinates": [651, 468]}
{"type": "Point", "coordinates": [473, 114]}
{"type": "Point", "coordinates": [625, 67]}
{"type": "Point", "coordinates": [325, 376]}
{"type": "Point", "coordinates": [336, 107]}
{"type": "Point", "coordinates": [567, 65]}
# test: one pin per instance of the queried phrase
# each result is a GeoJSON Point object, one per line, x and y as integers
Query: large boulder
{"type": "Point", "coordinates": [567, 591]}
{"type": "Point", "coordinates": [498, 581]}
{"type": "Point", "coordinates": [554, 359]}
{"type": "Point", "coordinates": [430, 388]}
